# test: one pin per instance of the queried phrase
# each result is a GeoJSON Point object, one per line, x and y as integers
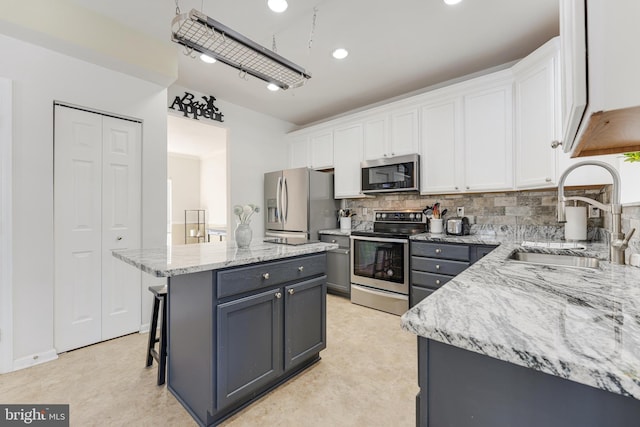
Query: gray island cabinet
{"type": "Point", "coordinates": [506, 344]}
{"type": "Point", "coordinates": [240, 327]}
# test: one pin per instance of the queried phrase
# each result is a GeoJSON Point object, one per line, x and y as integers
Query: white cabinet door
{"type": "Point", "coordinates": [441, 136]}
{"type": "Point", "coordinates": [321, 150]}
{"type": "Point", "coordinates": [299, 153]}
{"type": "Point", "coordinates": [573, 54]}
{"type": "Point", "coordinates": [488, 139]}
{"type": "Point", "coordinates": [97, 208]}
{"type": "Point", "coordinates": [348, 153]}
{"type": "Point", "coordinates": [121, 210]}
{"type": "Point", "coordinates": [404, 133]}
{"type": "Point", "coordinates": [535, 121]}
{"type": "Point", "coordinates": [376, 137]}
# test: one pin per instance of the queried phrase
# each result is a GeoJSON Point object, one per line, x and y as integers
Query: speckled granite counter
{"type": "Point", "coordinates": [184, 259]}
{"type": "Point", "coordinates": [335, 232]}
{"type": "Point", "coordinates": [578, 324]}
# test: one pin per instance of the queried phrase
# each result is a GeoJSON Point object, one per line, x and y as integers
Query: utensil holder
{"type": "Point", "coordinates": [436, 225]}
{"type": "Point", "coordinates": [345, 224]}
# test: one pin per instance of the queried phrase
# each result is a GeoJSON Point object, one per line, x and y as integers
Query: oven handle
{"type": "Point", "coordinates": [379, 239]}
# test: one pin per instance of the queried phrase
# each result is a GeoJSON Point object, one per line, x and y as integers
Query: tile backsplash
{"type": "Point", "coordinates": [531, 215]}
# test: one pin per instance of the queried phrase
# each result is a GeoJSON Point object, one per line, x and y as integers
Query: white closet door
{"type": "Point", "coordinates": [77, 230]}
{"type": "Point", "coordinates": [121, 206]}
{"type": "Point", "coordinates": [97, 193]}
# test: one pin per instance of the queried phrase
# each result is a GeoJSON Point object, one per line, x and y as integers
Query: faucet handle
{"type": "Point", "coordinates": [628, 236]}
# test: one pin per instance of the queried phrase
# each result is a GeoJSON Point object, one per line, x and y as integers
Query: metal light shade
{"type": "Point", "coordinates": [197, 31]}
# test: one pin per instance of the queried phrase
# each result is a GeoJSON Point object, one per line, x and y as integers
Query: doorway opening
{"type": "Point", "coordinates": [196, 182]}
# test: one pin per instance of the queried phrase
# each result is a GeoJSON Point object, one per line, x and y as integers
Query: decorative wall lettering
{"type": "Point", "coordinates": [195, 109]}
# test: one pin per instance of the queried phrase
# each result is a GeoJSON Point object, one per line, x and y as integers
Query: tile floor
{"type": "Point", "coordinates": [367, 377]}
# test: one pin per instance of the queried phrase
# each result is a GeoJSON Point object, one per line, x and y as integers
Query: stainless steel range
{"type": "Point", "coordinates": [380, 260]}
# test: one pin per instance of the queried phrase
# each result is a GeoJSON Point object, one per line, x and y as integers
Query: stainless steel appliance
{"type": "Point", "coordinates": [380, 260]}
{"type": "Point", "coordinates": [458, 226]}
{"type": "Point", "coordinates": [298, 203]}
{"type": "Point", "coordinates": [391, 174]}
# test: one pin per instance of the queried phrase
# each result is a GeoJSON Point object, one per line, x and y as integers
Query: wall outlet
{"type": "Point", "coordinates": [460, 211]}
{"type": "Point", "coordinates": [594, 212]}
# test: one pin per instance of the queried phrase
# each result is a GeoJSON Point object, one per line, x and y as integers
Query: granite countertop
{"type": "Point", "coordinates": [183, 259]}
{"type": "Point", "coordinates": [578, 324]}
{"type": "Point", "coordinates": [335, 232]}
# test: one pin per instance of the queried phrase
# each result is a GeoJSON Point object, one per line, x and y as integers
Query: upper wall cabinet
{"type": "Point", "coordinates": [609, 124]}
{"type": "Point", "coordinates": [394, 134]}
{"type": "Point", "coordinates": [313, 150]}
{"type": "Point", "coordinates": [536, 106]}
{"type": "Point", "coordinates": [467, 137]}
{"type": "Point", "coordinates": [348, 154]}
{"type": "Point", "coordinates": [488, 135]}
{"type": "Point", "coordinates": [442, 146]}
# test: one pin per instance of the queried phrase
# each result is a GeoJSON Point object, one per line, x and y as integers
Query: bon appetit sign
{"type": "Point", "coordinates": [190, 107]}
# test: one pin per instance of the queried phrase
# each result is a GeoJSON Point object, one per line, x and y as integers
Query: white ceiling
{"type": "Point", "coordinates": [396, 47]}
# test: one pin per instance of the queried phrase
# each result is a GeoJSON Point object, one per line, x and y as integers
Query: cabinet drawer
{"type": "Point", "coordinates": [440, 266]}
{"type": "Point", "coordinates": [342, 241]}
{"type": "Point", "coordinates": [418, 294]}
{"type": "Point", "coordinates": [431, 280]}
{"type": "Point", "coordinates": [441, 250]}
{"type": "Point", "coordinates": [245, 279]}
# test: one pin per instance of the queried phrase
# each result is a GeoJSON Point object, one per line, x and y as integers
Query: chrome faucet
{"type": "Point", "coordinates": [618, 241]}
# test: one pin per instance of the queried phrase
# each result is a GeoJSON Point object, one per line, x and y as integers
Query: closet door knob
{"type": "Point", "coordinates": [119, 238]}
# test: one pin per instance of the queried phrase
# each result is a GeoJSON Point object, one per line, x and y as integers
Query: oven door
{"type": "Point", "coordinates": [381, 263]}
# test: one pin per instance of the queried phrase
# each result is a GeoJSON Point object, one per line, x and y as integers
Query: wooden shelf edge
{"type": "Point", "coordinates": [610, 132]}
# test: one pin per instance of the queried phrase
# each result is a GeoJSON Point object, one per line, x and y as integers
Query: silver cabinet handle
{"type": "Point", "coordinates": [437, 281]}
{"type": "Point", "coordinates": [548, 179]}
{"type": "Point", "coordinates": [556, 144]}
{"type": "Point", "coordinates": [437, 266]}
{"type": "Point", "coordinates": [467, 187]}
{"type": "Point", "coordinates": [119, 238]}
{"type": "Point", "coordinates": [301, 268]}
{"type": "Point", "coordinates": [265, 276]}
{"type": "Point", "coordinates": [456, 188]}
{"type": "Point", "coordinates": [333, 240]}
{"type": "Point", "coordinates": [278, 295]}
{"type": "Point", "coordinates": [438, 251]}
{"type": "Point", "coordinates": [291, 292]}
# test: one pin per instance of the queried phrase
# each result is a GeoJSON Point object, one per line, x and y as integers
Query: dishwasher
{"type": "Point", "coordinates": [338, 271]}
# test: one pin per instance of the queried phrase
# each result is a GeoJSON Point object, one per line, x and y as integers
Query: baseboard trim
{"type": "Point", "coordinates": [35, 359]}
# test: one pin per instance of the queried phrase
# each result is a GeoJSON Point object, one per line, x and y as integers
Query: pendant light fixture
{"type": "Point", "coordinates": [277, 6]}
{"type": "Point", "coordinates": [200, 33]}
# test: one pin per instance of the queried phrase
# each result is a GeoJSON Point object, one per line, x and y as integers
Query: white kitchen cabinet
{"type": "Point", "coordinates": [610, 76]}
{"type": "Point", "coordinates": [404, 132]}
{"type": "Point", "coordinates": [488, 135]}
{"type": "Point", "coordinates": [321, 150]}
{"type": "Point", "coordinates": [393, 134]}
{"type": "Point", "coordinates": [376, 137]}
{"type": "Point", "coordinates": [348, 153]}
{"type": "Point", "coordinates": [312, 150]}
{"type": "Point", "coordinates": [573, 55]}
{"type": "Point", "coordinates": [441, 146]}
{"type": "Point", "coordinates": [536, 117]}
{"type": "Point", "coordinates": [299, 152]}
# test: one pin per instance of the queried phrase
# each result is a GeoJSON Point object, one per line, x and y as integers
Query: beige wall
{"type": "Point", "coordinates": [184, 172]}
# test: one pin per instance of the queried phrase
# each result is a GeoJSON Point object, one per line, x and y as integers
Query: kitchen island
{"type": "Point", "coordinates": [240, 321]}
{"type": "Point", "coordinates": [506, 343]}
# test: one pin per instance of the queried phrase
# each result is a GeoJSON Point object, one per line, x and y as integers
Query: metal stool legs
{"type": "Point", "coordinates": [160, 356]}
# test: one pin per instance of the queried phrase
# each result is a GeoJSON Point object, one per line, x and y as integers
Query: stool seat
{"type": "Point", "coordinates": [160, 356]}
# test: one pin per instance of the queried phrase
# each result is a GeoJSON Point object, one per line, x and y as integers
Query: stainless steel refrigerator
{"type": "Point", "coordinates": [298, 203]}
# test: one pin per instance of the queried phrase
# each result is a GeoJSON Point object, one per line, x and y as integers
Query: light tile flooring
{"type": "Point", "coordinates": [367, 377]}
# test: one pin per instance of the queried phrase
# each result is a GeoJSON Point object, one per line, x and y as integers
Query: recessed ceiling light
{"type": "Point", "coordinates": [272, 87]}
{"type": "Point", "coordinates": [206, 58]}
{"type": "Point", "coordinates": [452, 2]}
{"type": "Point", "coordinates": [340, 53]}
{"type": "Point", "coordinates": [277, 6]}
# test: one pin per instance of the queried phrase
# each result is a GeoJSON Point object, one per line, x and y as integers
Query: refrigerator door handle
{"type": "Point", "coordinates": [285, 201]}
{"type": "Point", "coordinates": [278, 201]}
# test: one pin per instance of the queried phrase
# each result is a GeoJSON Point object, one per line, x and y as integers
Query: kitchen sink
{"type": "Point", "coordinates": [555, 259]}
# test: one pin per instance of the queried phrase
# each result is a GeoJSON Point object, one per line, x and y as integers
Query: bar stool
{"type": "Point", "coordinates": [159, 299]}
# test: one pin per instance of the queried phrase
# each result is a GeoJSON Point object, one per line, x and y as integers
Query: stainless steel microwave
{"type": "Point", "coordinates": [391, 174]}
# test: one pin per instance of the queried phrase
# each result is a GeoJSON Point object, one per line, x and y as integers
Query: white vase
{"type": "Point", "coordinates": [243, 235]}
